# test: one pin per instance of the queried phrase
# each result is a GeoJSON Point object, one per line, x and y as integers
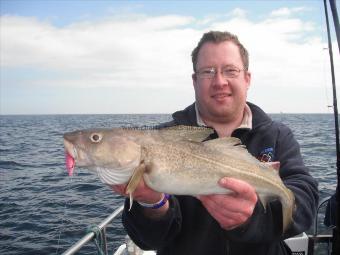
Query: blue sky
{"type": "Point", "coordinates": [134, 56]}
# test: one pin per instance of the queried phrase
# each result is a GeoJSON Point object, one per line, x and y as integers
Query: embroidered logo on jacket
{"type": "Point", "coordinates": [266, 155]}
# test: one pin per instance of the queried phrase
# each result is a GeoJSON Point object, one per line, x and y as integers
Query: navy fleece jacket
{"type": "Point", "coordinates": [188, 228]}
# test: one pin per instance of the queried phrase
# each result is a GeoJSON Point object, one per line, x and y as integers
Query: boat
{"type": "Point", "coordinates": [327, 239]}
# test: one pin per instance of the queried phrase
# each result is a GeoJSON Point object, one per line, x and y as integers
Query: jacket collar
{"type": "Point", "coordinates": [246, 121]}
{"type": "Point", "coordinates": [188, 116]}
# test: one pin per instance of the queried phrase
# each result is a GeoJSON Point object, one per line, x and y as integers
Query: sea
{"type": "Point", "coordinates": [44, 211]}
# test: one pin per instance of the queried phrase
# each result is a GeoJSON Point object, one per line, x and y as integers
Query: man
{"type": "Point", "coordinates": [235, 223]}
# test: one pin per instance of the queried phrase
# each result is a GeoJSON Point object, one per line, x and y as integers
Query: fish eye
{"type": "Point", "coordinates": [96, 138]}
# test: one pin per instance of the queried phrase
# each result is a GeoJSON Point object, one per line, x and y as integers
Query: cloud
{"type": "Point", "coordinates": [238, 12]}
{"type": "Point", "coordinates": [132, 50]}
{"type": "Point", "coordinates": [154, 51]}
{"type": "Point", "coordinates": [285, 12]}
{"type": "Point", "coordinates": [284, 52]}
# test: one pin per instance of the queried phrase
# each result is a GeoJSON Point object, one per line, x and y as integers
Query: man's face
{"type": "Point", "coordinates": [220, 97]}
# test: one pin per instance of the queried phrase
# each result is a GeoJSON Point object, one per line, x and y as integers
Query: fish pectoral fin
{"type": "Point", "coordinates": [134, 181]}
{"type": "Point", "coordinates": [135, 178]}
{"type": "Point", "coordinates": [131, 201]}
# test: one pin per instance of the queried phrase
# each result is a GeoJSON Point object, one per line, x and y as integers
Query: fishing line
{"type": "Point", "coordinates": [63, 219]}
{"type": "Point", "coordinates": [56, 129]}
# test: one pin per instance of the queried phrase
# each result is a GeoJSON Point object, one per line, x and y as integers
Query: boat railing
{"type": "Point", "coordinates": [322, 204]}
{"type": "Point", "coordinates": [316, 237]}
{"type": "Point", "coordinates": [98, 233]}
{"type": "Point", "coordinates": [100, 229]}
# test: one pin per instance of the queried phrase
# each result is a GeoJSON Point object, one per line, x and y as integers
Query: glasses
{"type": "Point", "coordinates": [210, 72]}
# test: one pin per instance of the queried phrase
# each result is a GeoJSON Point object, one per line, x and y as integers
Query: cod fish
{"type": "Point", "coordinates": [176, 160]}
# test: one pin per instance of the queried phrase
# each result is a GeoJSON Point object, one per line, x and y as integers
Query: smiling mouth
{"type": "Point", "coordinates": [221, 95]}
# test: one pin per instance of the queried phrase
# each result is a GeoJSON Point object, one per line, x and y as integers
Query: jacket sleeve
{"type": "Point", "coordinates": [152, 234]}
{"type": "Point", "coordinates": [297, 178]}
{"type": "Point", "coordinates": [265, 225]}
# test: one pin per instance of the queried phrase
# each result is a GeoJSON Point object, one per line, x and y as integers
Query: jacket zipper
{"type": "Point", "coordinates": [227, 248]}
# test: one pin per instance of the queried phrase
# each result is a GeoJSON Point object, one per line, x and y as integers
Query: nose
{"type": "Point", "coordinates": [219, 80]}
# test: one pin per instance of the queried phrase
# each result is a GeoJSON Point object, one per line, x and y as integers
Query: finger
{"type": "Point", "coordinates": [230, 219]}
{"type": "Point", "coordinates": [221, 205]}
{"type": "Point", "coordinates": [227, 218]}
{"type": "Point", "coordinates": [236, 205]}
{"type": "Point", "coordinates": [240, 188]}
{"type": "Point", "coordinates": [229, 204]}
{"type": "Point", "coordinates": [212, 201]}
{"type": "Point", "coordinates": [119, 189]}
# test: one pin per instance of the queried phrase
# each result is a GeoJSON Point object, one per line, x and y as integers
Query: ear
{"type": "Point", "coordinates": [194, 79]}
{"type": "Point", "coordinates": [247, 77]}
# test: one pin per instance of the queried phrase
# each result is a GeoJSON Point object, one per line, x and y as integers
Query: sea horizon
{"type": "Point", "coordinates": [56, 114]}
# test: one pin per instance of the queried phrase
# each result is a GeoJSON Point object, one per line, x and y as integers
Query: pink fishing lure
{"type": "Point", "coordinates": [70, 163]}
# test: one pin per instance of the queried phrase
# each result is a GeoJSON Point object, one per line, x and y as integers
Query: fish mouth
{"type": "Point", "coordinates": [70, 157]}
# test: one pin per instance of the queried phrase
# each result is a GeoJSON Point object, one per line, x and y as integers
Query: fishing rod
{"type": "Point", "coordinates": [336, 230]}
{"type": "Point", "coordinates": [332, 3]}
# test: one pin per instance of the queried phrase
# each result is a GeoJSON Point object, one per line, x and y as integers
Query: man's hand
{"type": "Point", "coordinates": [146, 195]}
{"type": "Point", "coordinates": [234, 209]}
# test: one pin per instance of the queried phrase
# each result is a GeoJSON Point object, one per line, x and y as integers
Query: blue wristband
{"type": "Point", "coordinates": [157, 205]}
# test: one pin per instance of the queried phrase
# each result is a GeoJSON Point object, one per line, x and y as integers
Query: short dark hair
{"type": "Point", "coordinates": [217, 37]}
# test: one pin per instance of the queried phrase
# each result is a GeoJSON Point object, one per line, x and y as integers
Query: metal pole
{"type": "Point", "coordinates": [88, 237]}
{"type": "Point", "coordinates": [336, 231]}
{"type": "Point", "coordinates": [332, 3]}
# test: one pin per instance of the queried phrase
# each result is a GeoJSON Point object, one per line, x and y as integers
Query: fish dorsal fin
{"type": "Point", "coordinates": [186, 133]}
{"type": "Point", "coordinates": [225, 142]}
{"type": "Point", "coordinates": [231, 146]}
{"type": "Point", "coordinates": [275, 165]}
{"type": "Point", "coordinates": [134, 181]}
